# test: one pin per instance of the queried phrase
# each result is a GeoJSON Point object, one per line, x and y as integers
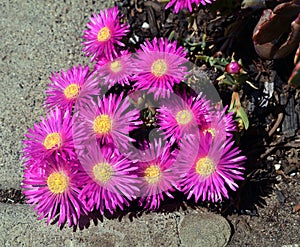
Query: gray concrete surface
{"type": "Point", "coordinates": [37, 38]}
{"type": "Point", "coordinates": [19, 227]}
{"type": "Point", "coordinates": [24, 230]}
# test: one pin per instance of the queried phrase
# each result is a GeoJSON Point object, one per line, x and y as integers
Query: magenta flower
{"type": "Point", "coordinates": [109, 181]}
{"type": "Point", "coordinates": [52, 135]}
{"type": "Point", "coordinates": [159, 66]}
{"type": "Point", "coordinates": [216, 167]}
{"type": "Point", "coordinates": [186, 4]}
{"type": "Point", "coordinates": [180, 117]}
{"type": "Point", "coordinates": [221, 124]}
{"type": "Point", "coordinates": [67, 87]}
{"type": "Point", "coordinates": [53, 188]}
{"type": "Point", "coordinates": [109, 120]}
{"type": "Point", "coordinates": [118, 70]}
{"type": "Point", "coordinates": [158, 174]}
{"type": "Point", "coordinates": [204, 2]}
{"type": "Point", "coordinates": [104, 32]}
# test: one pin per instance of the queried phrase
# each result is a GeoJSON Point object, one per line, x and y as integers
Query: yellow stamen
{"type": "Point", "coordinates": [103, 34]}
{"type": "Point", "coordinates": [52, 140]}
{"type": "Point", "coordinates": [212, 131]}
{"type": "Point", "coordinates": [102, 124]}
{"type": "Point", "coordinates": [205, 167]}
{"type": "Point", "coordinates": [58, 182]}
{"type": "Point", "coordinates": [152, 174]}
{"type": "Point", "coordinates": [184, 117]}
{"type": "Point", "coordinates": [103, 172]}
{"type": "Point", "coordinates": [159, 67]}
{"type": "Point", "coordinates": [115, 66]}
{"type": "Point", "coordinates": [71, 91]}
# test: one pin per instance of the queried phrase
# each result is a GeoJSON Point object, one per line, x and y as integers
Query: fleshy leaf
{"type": "Point", "coordinates": [294, 79]}
{"type": "Point", "coordinates": [297, 55]}
{"type": "Point", "coordinates": [273, 25]}
{"type": "Point", "coordinates": [243, 115]}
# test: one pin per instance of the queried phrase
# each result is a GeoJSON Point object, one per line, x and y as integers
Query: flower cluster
{"type": "Point", "coordinates": [186, 4]}
{"type": "Point", "coordinates": [84, 155]}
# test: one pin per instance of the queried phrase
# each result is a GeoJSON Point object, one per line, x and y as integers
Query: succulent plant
{"type": "Point", "coordinates": [272, 28]}
{"type": "Point", "coordinates": [294, 80]}
{"type": "Point", "coordinates": [297, 55]}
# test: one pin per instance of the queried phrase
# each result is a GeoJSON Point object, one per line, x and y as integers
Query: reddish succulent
{"type": "Point", "coordinates": [294, 79]}
{"type": "Point", "coordinates": [273, 25]}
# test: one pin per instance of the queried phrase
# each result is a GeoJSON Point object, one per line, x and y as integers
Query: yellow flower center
{"type": "Point", "coordinates": [103, 172]}
{"type": "Point", "coordinates": [212, 131]}
{"type": "Point", "coordinates": [159, 67]}
{"type": "Point", "coordinates": [58, 182]}
{"type": "Point", "coordinates": [205, 167]}
{"type": "Point", "coordinates": [115, 66]}
{"type": "Point", "coordinates": [52, 140]}
{"type": "Point", "coordinates": [71, 91]}
{"type": "Point", "coordinates": [103, 34]}
{"type": "Point", "coordinates": [184, 117]}
{"type": "Point", "coordinates": [102, 124]}
{"type": "Point", "coordinates": [152, 174]}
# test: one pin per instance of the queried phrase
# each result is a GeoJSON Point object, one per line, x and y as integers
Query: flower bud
{"type": "Point", "coordinates": [233, 68]}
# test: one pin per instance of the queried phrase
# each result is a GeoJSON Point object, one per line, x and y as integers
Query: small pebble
{"type": "Point", "coordinates": [137, 38]}
{"type": "Point", "coordinates": [293, 174]}
{"type": "Point", "coordinates": [132, 41]}
{"type": "Point", "coordinates": [280, 196]}
{"type": "Point", "coordinates": [145, 25]}
{"type": "Point", "coordinates": [277, 166]}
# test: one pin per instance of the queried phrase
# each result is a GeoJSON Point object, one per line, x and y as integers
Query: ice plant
{"type": "Point", "coordinates": [81, 157]}
{"type": "Point", "coordinates": [108, 120]}
{"type": "Point", "coordinates": [118, 70]}
{"type": "Point", "coordinates": [186, 4]}
{"type": "Point", "coordinates": [52, 136]}
{"type": "Point", "coordinates": [104, 34]}
{"type": "Point", "coordinates": [109, 181]}
{"type": "Point", "coordinates": [52, 187]}
{"type": "Point", "coordinates": [66, 87]}
{"type": "Point", "coordinates": [179, 117]}
{"type": "Point", "coordinates": [158, 174]}
{"type": "Point", "coordinates": [220, 125]}
{"type": "Point", "coordinates": [277, 33]}
{"type": "Point", "coordinates": [160, 64]}
{"type": "Point", "coordinates": [216, 167]}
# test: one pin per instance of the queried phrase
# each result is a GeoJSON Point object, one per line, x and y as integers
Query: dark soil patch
{"type": "Point", "coordinates": [11, 196]}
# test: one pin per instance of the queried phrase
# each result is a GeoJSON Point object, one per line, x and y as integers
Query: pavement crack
{"type": "Point", "coordinates": [177, 220]}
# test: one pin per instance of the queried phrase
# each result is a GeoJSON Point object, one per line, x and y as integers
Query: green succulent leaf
{"type": "Point", "coordinates": [240, 112]}
{"type": "Point", "coordinates": [171, 36]}
{"type": "Point", "coordinates": [226, 82]}
{"type": "Point", "coordinates": [229, 78]}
